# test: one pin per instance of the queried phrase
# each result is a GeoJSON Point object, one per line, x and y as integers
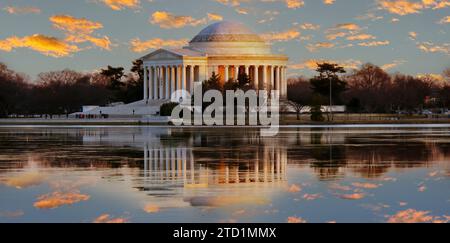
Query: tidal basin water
{"type": "Point", "coordinates": [163, 174]}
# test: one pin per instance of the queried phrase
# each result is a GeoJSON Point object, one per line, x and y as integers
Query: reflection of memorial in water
{"type": "Point", "coordinates": [190, 169]}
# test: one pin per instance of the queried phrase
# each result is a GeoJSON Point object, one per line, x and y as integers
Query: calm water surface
{"type": "Point", "coordinates": [150, 174]}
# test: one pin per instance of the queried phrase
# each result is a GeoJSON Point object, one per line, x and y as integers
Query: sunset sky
{"type": "Point", "coordinates": [409, 36]}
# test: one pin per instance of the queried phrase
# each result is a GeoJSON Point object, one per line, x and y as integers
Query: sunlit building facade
{"type": "Point", "coordinates": [224, 48]}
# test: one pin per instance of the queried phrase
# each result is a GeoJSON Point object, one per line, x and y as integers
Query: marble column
{"type": "Point", "coordinates": [247, 70]}
{"type": "Point", "coordinates": [264, 77]}
{"type": "Point", "coordinates": [272, 78]}
{"type": "Point", "coordinates": [150, 83]}
{"type": "Point", "coordinates": [155, 83]}
{"type": "Point", "coordinates": [278, 72]}
{"type": "Point", "coordinates": [167, 82]}
{"type": "Point", "coordinates": [145, 83]}
{"type": "Point", "coordinates": [227, 70]}
{"type": "Point", "coordinates": [256, 77]}
{"type": "Point", "coordinates": [183, 77]}
{"type": "Point", "coordinates": [172, 80]}
{"type": "Point", "coordinates": [161, 82]}
{"type": "Point", "coordinates": [236, 73]}
{"type": "Point", "coordinates": [191, 79]}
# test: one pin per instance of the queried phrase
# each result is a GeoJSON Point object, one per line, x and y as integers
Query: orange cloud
{"type": "Point", "coordinates": [365, 185]}
{"type": "Point", "coordinates": [312, 64]}
{"type": "Point", "coordinates": [58, 199]}
{"type": "Point", "coordinates": [415, 216]}
{"type": "Point", "coordinates": [354, 196]}
{"type": "Point", "coordinates": [329, 2]}
{"type": "Point", "coordinates": [311, 197]}
{"type": "Point", "coordinates": [233, 3]}
{"type": "Point", "coordinates": [445, 20]}
{"type": "Point", "coordinates": [360, 37]}
{"type": "Point", "coordinates": [46, 45]}
{"type": "Point", "coordinates": [151, 208]}
{"type": "Point", "coordinates": [22, 10]}
{"type": "Point", "coordinates": [347, 26]}
{"type": "Point", "coordinates": [401, 7]}
{"type": "Point", "coordinates": [295, 220]}
{"type": "Point", "coordinates": [215, 17]}
{"type": "Point", "coordinates": [294, 188]}
{"type": "Point", "coordinates": [319, 45]}
{"type": "Point", "coordinates": [393, 64]}
{"type": "Point", "coordinates": [25, 180]}
{"type": "Point", "coordinates": [405, 7]}
{"type": "Point", "coordinates": [336, 186]}
{"type": "Point", "coordinates": [107, 219]}
{"type": "Point", "coordinates": [294, 3]}
{"type": "Point", "coordinates": [433, 48]}
{"type": "Point", "coordinates": [11, 214]}
{"type": "Point", "coordinates": [139, 46]}
{"type": "Point", "coordinates": [309, 26]}
{"type": "Point", "coordinates": [167, 20]}
{"type": "Point", "coordinates": [79, 30]}
{"type": "Point", "coordinates": [374, 43]}
{"type": "Point", "coordinates": [281, 36]}
{"type": "Point", "coordinates": [342, 30]}
{"type": "Point", "coordinates": [121, 4]}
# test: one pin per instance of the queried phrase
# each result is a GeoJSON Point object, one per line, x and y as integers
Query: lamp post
{"type": "Point", "coordinates": [331, 101]}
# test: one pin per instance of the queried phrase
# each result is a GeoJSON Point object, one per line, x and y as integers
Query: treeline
{"type": "Point", "coordinates": [371, 90]}
{"type": "Point", "coordinates": [64, 92]}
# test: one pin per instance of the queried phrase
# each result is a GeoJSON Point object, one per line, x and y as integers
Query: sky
{"type": "Point", "coordinates": [407, 36]}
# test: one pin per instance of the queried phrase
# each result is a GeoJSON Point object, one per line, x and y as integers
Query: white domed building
{"type": "Point", "coordinates": [225, 48]}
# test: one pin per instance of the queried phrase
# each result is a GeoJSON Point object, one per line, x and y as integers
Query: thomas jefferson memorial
{"type": "Point", "coordinates": [224, 48]}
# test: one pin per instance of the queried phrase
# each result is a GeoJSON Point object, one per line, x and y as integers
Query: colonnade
{"type": "Point", "coordinates": [160, 81]}
{"type": "Point", "coordinates": [264, 77]}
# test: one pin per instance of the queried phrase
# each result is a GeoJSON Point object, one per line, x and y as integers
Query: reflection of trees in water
{"type": "Point", "coordinates": [370, 155]}
{"type": "Point", "coordinates": [62, 148]}
{"type": "Point", "coordinates": [330, 154]}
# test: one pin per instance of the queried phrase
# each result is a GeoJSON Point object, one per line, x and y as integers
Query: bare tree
{"type": "Point", "coordinates": [369, 85]}
{"type": "Point", "coordinates": [299, 94]}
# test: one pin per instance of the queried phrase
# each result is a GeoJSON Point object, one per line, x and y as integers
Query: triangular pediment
{"type": "Point", "coordinates": [161, 54]}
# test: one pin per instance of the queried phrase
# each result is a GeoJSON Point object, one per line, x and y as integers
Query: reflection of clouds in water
{"type": "Point", "coordinates": [375, 207]}
{"type": "Point", "coordinates": [11, 214]}
{"type": "Point", "coordinates": [421, 187]}
{"type": "Point", "coordinates": [433, 173]}
{"type": "Point", "coordinates": [415, 216]}
{"type": "Point", "coordinates": [353, 196]}
{"type": "Point", "coordinates": [58, 199]}
{"type": "Point", "coordinates": [294, 188]}
{"type": "Point", "coordinates": [295, 220]}
{"type": "Point", "coordinates": [229, 171]}
{"type": "Point", "coordinates": [24, 180]}
{"type": "Point", "coordinates": [311, 197]}
{"type": "Point", "coordinates": [107, 219]}
{"type": "Point", "coordinates": [65, 192]}
{"type": "Point", "coordinates": [365, 185]}
{"type": "Point", "coordinates": [339, 187]}
{"type": "Point", "coordinates": [151, 208]}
